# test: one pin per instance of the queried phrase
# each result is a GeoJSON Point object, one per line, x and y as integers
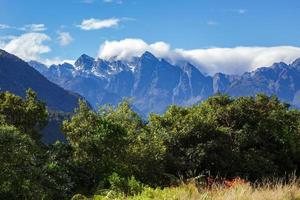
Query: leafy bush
{"type": "Point", "coordinates": [128, 186]}
{"type": "Point", "coordinates": [115, 152]}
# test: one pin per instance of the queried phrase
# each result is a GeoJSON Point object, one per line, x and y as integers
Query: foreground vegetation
{"type": "Point", "coordinates": [277, 191]}
{"type": "Point", "coordinates": [115, 152]}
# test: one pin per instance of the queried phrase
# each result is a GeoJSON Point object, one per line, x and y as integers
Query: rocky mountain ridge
{"type": "Point", "coordinates": [153, 84]}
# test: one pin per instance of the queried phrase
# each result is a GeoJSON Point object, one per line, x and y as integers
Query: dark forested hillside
{"type": "Point", "coordinates": [17, 76]}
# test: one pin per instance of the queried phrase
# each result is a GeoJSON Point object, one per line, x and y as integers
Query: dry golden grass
{"type": "Point", "coordinates": [247, 192]}
{"type": "Point", "coordinates": [240, 192]}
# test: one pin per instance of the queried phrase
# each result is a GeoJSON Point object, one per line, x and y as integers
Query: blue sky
{"type": "Point", "coordinates": [184, 24]}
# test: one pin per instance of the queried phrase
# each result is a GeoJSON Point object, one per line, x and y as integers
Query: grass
{"type": "Point", "coordinates": [266, 191]}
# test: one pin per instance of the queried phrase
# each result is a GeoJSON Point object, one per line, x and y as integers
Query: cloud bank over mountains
{"type": "Point", "coordinates": [234, 60]}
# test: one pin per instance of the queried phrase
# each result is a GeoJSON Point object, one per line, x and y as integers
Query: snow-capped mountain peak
{"type": "Point", "coordinates": [155, 83]}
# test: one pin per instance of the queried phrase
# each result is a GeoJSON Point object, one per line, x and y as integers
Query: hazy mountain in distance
{"type": "Point", "coordinates": [153, 84]}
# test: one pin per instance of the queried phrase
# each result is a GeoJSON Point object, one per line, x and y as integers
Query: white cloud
{"type": "Point", "coordinates": [27, 27]}
{"type": "Point", "coordinates": [34, 27]}
{"type": "Point", "coordinates": [128, 48]}
{"type": "Point", "coordinates": [4, 39]}
{"type": "Point", "coordinates": [239, 59]}
{"type": "Point", "coordinates": [64, 38]}
{"type": "Point", "coordinates": [95, 24]}
{"type": "Point", "coordinates": [28, 46]}
{"type": "Point", "coordinates": [227, 60]}
{"type": "Point", "coordinates": [4, 26]}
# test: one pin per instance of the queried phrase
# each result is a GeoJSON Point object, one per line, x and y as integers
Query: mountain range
{"type": "Point", "coordinates": [153, 84]}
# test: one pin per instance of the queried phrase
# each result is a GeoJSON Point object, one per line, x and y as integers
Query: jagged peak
{"type": "Point", "coordinates": [148, 55]}
{"type": "Point", "coordinates": [84, 62]}
{"type": "Point", "coordinates": [85, 56]}
{"type": "Point", "coordinates": [279, 64]}
{"type": "Point", "coordinates": [275, 66]}
{"type": "Point", "coordinates": [296, 63]}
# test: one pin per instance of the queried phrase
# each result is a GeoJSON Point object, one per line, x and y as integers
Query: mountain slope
{"type": "Point", "coordinates": [17, 76]}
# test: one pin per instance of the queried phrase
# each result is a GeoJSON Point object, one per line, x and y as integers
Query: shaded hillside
{"type": "Point", "coordinates": [17, 76]}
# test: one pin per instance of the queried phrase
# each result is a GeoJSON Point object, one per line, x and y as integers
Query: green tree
{"type": "Point", "coordinates": [193, 146]}
{"type": "Point", "coordinates": [58, 171]}
{"type": "Point", "coordinates": [252, 137]}
{"type": "Point", "coordinates": [144, 157]}
{"type": "Point", "coordinates": [19, 172]}
{"type": "Point", "coordinates": [28, 115]}
{"type": "Point", "coordinates": [98, 145]}
{"type": "Point", "coordinates": [27, 170]}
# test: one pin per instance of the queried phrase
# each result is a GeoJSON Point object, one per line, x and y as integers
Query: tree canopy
{"type": "Point", "coordinates": [114, 148]}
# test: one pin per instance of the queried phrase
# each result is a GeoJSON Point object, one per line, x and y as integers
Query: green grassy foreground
{"type": "Point", "coordinates": [191, 192]}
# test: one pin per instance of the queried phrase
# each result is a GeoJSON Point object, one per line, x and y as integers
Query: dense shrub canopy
{"type": "Point", "coordinates": [251, 137]}
{"type": "Point", "coordinates": [114, 148]}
